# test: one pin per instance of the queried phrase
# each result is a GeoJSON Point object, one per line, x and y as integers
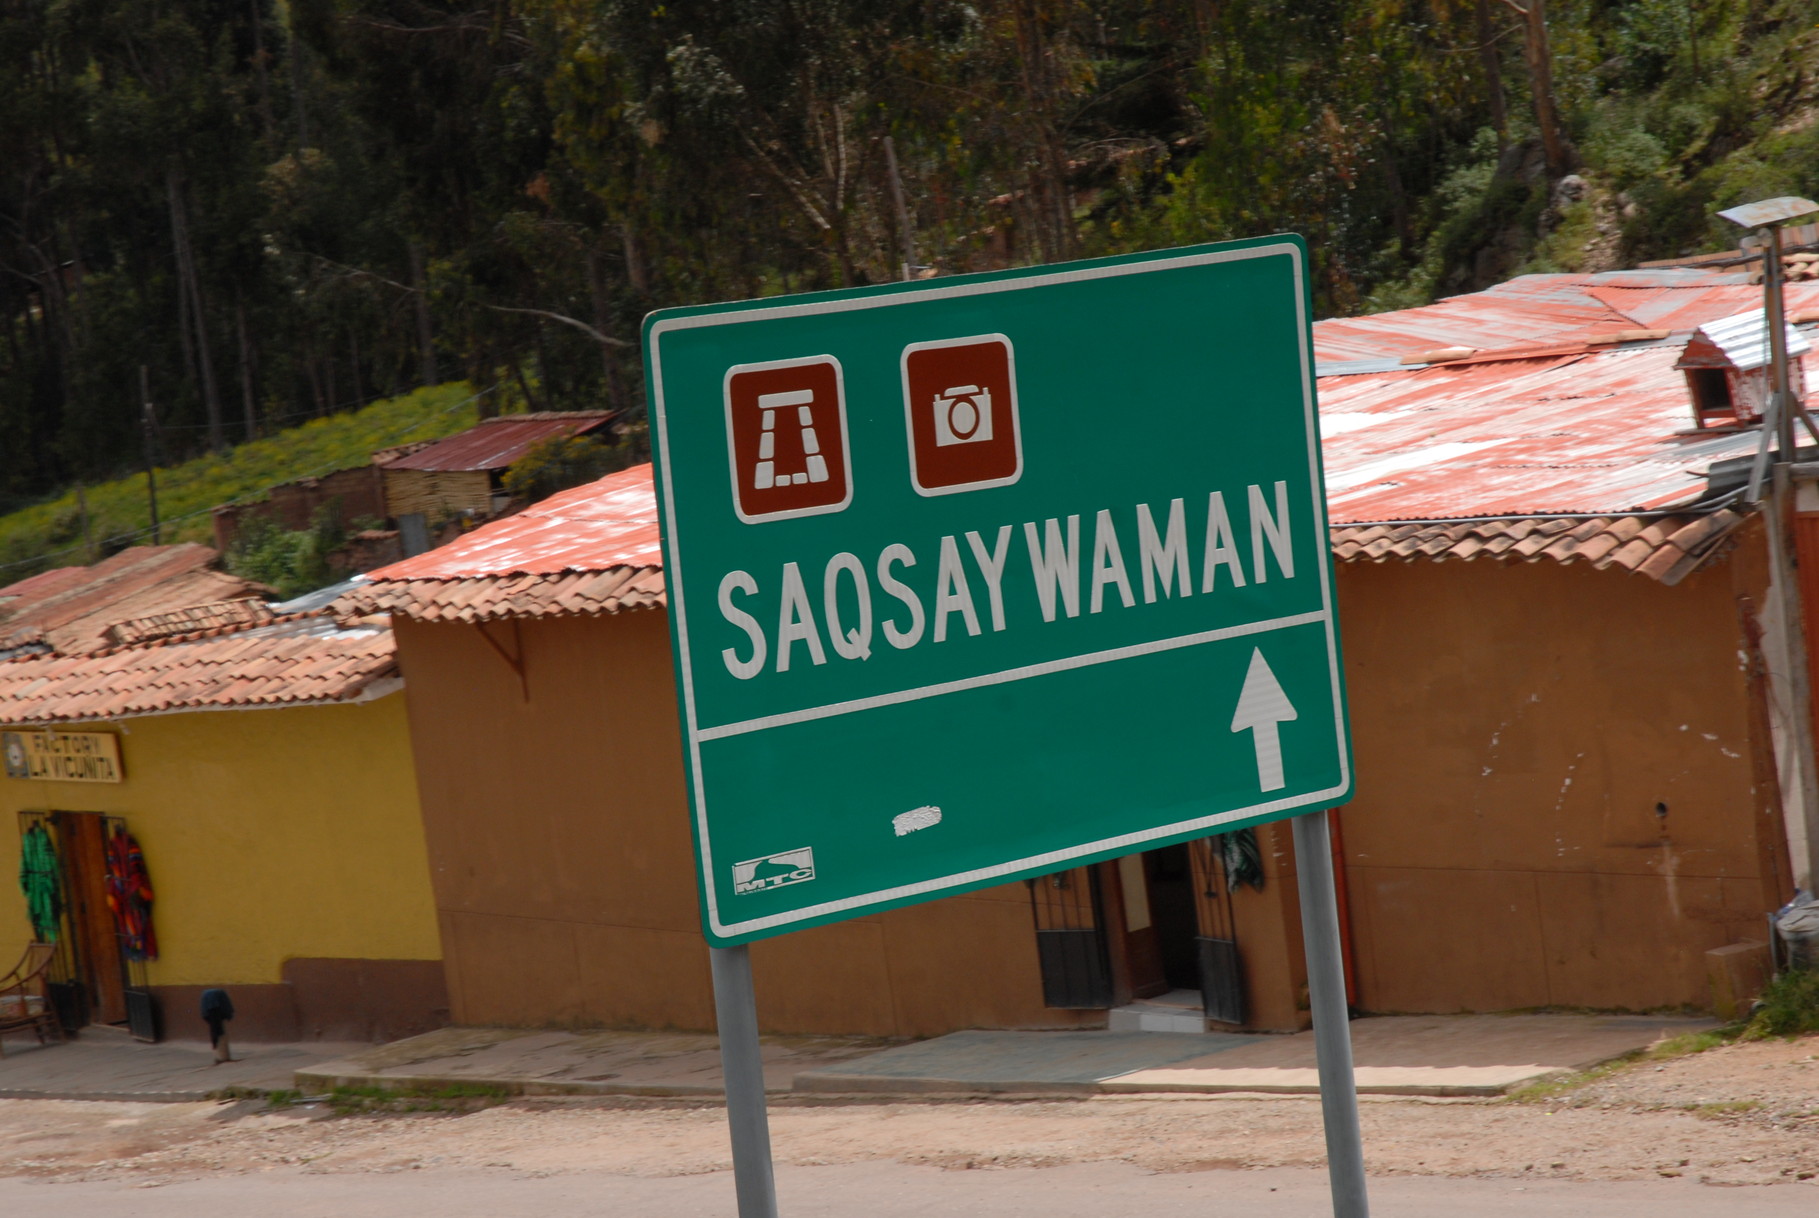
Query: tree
{"type": "Point", "coordinates": [1562, 158]}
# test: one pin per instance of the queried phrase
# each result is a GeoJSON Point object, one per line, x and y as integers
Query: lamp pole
{"type": "Point", "coordinates": [1767, 217]}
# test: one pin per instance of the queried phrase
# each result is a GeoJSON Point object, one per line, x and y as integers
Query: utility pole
{"type": "Point", "coordinates": [88, 537]}
{"type": "Point", "coordinates": [1767, 217]}
{"type": "Point", "coordinates": [149, 427]}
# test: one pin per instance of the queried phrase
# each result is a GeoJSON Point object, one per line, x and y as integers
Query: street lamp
{"type": "Point", "coordinates": [1767, 217]}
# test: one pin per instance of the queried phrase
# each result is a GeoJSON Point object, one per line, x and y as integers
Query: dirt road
{"type": "Point", "coordinates": [1742, 1115]}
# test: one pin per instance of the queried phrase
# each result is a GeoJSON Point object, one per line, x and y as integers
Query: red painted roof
{"type": "Point", "coordinates": [496, 443]}
{"type": "Point", "coordinates": [605, 524]}
{"type": "Point", "coordinates": [1547, 418]}
{"type": "Point", "coordinates": [1539, 421]}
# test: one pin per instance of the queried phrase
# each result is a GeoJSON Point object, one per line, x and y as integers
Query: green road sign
{"type": "Point", "coordinates": [985, 577]}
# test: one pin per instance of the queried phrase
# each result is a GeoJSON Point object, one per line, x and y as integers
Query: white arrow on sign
{"type": "Point", "coordinates": [1262, 707]}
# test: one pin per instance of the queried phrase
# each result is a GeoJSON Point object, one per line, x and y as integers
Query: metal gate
{"type": "Point", "coordinates": [1070, 939]}
{"type": "Point", "coordinates": [1221, 975]}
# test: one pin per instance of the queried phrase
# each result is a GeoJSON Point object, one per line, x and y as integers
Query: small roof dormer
{"type": "Point", "coordinates": [1727, 369]}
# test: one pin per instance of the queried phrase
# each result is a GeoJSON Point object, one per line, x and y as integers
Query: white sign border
{"type": "Point", "coordinates": [909, 415]}
{"type": "Point", "coordinates": [938, 291]}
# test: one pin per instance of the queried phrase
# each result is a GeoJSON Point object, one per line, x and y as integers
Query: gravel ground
{"type": "Point", "coordinates": [1736, 1115]}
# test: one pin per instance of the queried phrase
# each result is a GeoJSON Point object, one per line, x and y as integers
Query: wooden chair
{"type": "Point", "coordinates": [25, 1000]}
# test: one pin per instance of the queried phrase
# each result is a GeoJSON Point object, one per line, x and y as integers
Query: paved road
{"type": "Point", "coordinates": [890, 1190]}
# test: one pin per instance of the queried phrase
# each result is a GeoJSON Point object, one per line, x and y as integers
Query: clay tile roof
{"type": "Point", "coordinates": [301, 660]}
{"type": "Point", "coordinates": [1667, 548]}
{"type": "Point", "coordinates": [250, 611]}
{"type": "Point", "coordinates": [74, 606]}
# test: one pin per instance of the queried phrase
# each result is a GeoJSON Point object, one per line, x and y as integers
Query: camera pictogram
{"type": "Point", "coordinates": [960, 406]}
{"type": "Point", "coordinates": [786, 438]}
{"type": "Point", "coordinates": [963, 415]}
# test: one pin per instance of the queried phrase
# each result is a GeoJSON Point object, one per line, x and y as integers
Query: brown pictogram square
{"type": "Point", "coordinates": [960, 405]}
{"type": "Point", "coordinates": [786, 438]}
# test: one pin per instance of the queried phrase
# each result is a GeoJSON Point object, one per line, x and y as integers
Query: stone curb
{"type": "Point", "coordinates": [317, 1080]}
{"type": "Point", "coordinates": [115, 1097]}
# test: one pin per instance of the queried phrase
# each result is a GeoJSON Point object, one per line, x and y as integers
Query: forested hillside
{"type": "Point", "coordinates": [285, 208]}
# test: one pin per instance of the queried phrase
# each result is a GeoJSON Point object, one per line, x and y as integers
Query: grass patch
{"type": "Point", "coordinates": [1693, 1042]}
{"type": "Point", "coordinates": [1788, 1007]}
{"type": "Point", "coordinates": [1724, 1108]}
{"type": "Point", "coordinates": [451, 1097]}
{"type": "Point", "coordinates": [1550, 1089]}
{"type": "Point", "coordinates": [49, 534]}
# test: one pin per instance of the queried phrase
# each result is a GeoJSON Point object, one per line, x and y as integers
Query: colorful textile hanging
{"type": "Point", "coordinates": [38, 880]}
{"type": "Point", "coordinates": [129, 896]}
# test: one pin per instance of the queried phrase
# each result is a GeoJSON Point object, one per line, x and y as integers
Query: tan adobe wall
{"type": "Point", "coordinates": [437, 494]}
{"type": "Point", "coordinates": [1516, 727]}
{"type": "Point", "coordinates": [559, 847]}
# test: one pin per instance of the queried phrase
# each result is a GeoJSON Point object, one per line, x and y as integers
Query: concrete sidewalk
{"type": "Point", "coordinates": [106, 1064]}
{"type": "Point", "coordinates": [1457, 1055]}
{"type": "Point", "coordinates": [1461, 1055]}
{"type": "Point", "coordinates": [575, 1063]}
{"type": "Point", "coordinates": [1441, 1055]}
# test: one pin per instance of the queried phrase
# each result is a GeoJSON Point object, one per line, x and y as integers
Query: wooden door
{"type": "Point", "coordinates": [84, 842]}
{"type": "Point", "coordinates": [1143, 956]}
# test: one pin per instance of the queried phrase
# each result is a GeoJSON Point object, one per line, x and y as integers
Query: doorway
{"type": "Point", "coordinates": [1141, 927]}
{"type": "Point", "coordinates": [1160, 921]}
{"type": "Point", "coordinates": [89, 973]}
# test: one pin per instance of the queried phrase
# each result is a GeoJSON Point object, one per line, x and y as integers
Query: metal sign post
{"type": "Point", "coordinates": [742, 1067]}
{"type": "Point", "coordinates": [986, 577]}
{"type": "Point", "coordinates": [1332, 1029]}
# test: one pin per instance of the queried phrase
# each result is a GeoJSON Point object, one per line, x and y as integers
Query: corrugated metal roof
{"type": "Point", "coordinates": [1744, 339]}
{"type": "Point", "coordinates": [1522, 311]}
{"type": "Point", "coordinates": [605, 524]}
{"type": "Point", "coordinates": [1546, 419]}
{"type": "Point", "coordinates": [496, 443]}
{"type": "Point", "coordinates": [1548, 424]}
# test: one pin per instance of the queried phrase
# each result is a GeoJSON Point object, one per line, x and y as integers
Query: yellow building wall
{"type": "Point", "coordinates": [268, 834]}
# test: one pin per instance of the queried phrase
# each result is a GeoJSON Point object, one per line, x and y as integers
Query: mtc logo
{"type": "Point", "coordinates": [787, 423]}
{"type": "Point", "coordinates": [774, 871]}
{"type": "Point", "coordinates": [960, 405]}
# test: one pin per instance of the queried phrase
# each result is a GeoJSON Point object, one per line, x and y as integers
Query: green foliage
{"type": "Point", "coordinates": [291, 561]}
{"type": "Point", "coordinates": [558, 463]}
{"type": "Point", "coordinates": [277, 211]}
{"type": "Point", "coordinates": [1788, 1007]}
{"type": "Point", "coordinates": [41, 536]}
{"type": "Point", "coordinates": [416, 1097]}
{"type": "Point", "coordinates": [1240, 857]}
